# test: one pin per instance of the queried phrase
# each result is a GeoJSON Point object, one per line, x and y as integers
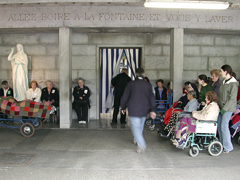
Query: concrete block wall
{"type": "Point", "coordinates": [42, 51]}
{"type": "Point", "coordinates": [203, 53]}
{"type": "Point", "coordinates": [155, 61]}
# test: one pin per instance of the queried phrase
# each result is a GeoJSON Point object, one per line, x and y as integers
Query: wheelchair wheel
{"type": "Point", "coordinates": [194, 151]}
{"type": "Point", "coordinates": [27, 130]}
{"type": "Point", "coordinates": [188, 144]}
{"type": "Point", "coordinates": [37, 124]}
{"type": "Point", "coordinates": [238, 139]}
{"type": "Point", "coordinates": [151, 127]}
{"type": "Point", "coordinates": [148, 121]}
{"type": "Point", "coordinates": [215, 148]}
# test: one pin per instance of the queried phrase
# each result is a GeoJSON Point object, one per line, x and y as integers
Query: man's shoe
{"type": "Point", "coordinates": [123, 123]}
{"type": "Point", "coordinates": [113, 123]}
{"type": "Point", "coordinates": [83, 122]}
{"type": "Point", "coordinates": [80, 122]}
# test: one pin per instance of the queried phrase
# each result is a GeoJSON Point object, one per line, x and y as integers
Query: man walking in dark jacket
{"type": "Point", "coordinates": [119, 83]}
{"type": "Point", "coordinates": [138, 95]}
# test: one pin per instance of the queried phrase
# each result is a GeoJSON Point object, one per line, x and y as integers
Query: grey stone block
{"type": "Point", "coordinates": [52, 74]}
{"type": "Point", "coordinates": [9, 72]}
{"type": "Point", "coordinates": [153, 50]}
{"type": "Point", "coordinates": [87, 74]}
{"type": "Point", "coordinates": [49, 38]}
{"type": "Point", "coordinates": [165, 75]}
{"type": "Point", "coordinates": [227, 40]}
{"type": "Point", "coordinates": [41, 83]}
{"type": "Point", "coordinates": [198, 39]}
{"type": "Point", "coordinates": [219, 51]}
{"type": "Point", "coordinates": [161, 39]}
{"type": "Point", "coordinates": [35, 50]}
{"type": "Point", "coordinates": [53, 50]}
{"type": "Point", "coordinates": [114, 38]}
{"type": "Point", "coordinates": [91, 84]}
{"type": "Point", "coordinates": [233, 62]}
{"type": "Point", "coordinates": [84, 50]}
{"type": "Point", "coordinates": [93, 99]}
{"type": "Point", "coordinates": [43, 62]}
{"type": "Point", "coordinates": [84, 62]}
{"type": "Point", "coordinates": [191, 50]}
{"type": "Point", "coordinates": [195, 63]}
{"type": "Point", "coordinates": [74, 75]}
{"type": "Point", "coordinates": [166, 51]}
{"type": "Point", "coordinates": [1, 39]}
{"type": "Point", "coordinates": [79, 38]}
{"type": "Point", "coordinates": [92, 112]}
{"type": "Point", "coordinates": [151, 74]}
{"type": "Point", "coordinates": [157, 62]}
{"type": "Point", "coordinates": [36, 74]}
{"type": "Point", "coordinates": [23, 39]}
{"type": "Point", "coordinates": [5, 64]}
{"type": "Point", "coordinates": [4, 74]}
{"type": "Point", "coordinates": [216, 63]}
{"type": "Point", "coordinates": [5, 50]}
{"type": "Point", "coordinates": [207, 73]}
{"type": "Point", "coordinates": [190, 76]}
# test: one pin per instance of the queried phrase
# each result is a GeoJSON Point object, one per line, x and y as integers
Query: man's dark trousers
{"type": "Point", "coordinates": [117, 99]}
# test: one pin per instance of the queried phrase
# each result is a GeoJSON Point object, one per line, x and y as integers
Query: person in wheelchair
{"type": "Point", "coordinates": [187, 125]}
{"type": "Point", "coordinates": [191, 106]}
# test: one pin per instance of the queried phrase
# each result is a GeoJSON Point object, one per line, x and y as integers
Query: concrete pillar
{"type": "Point", "coordinates": [65, 76]}
{"type": "Point", "coordinates": [176, 62]}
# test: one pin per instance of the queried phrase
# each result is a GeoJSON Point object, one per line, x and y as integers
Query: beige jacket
{"type": "Point", "coordinates": [208, 113]}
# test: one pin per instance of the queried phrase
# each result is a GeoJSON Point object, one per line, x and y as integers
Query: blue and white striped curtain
{"type": "Point", "coordinates": [110, 64]}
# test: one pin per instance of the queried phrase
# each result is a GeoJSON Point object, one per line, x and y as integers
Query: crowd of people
{"type": "Point", "coordinates": [206, 101]}
{"type": "Point", "coordinates": [81, 96]}
{"type": "Point", "coordinates": [210, 100]}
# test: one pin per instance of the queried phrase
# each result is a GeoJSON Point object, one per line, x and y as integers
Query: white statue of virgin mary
{"type": "Point", "coordinates": [19, 63]}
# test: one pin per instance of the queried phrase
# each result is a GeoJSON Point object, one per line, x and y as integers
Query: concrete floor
{"type": "Point", "coordinates": [99, 151]}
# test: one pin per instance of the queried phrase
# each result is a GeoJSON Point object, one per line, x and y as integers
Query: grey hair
{"type": "Point", "coordinates": [80, 79]}
{"type": "Point", "coordinates": [193, 93]}
{"type": "Point", "coordinates": [48, 81]}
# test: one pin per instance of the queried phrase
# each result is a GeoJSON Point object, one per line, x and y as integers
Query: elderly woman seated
{"type": "Point", "coordinates": [34, 93]}
{"type": "Point", "coordinates": [208, 113]}
{"type": "Point", "coordinates": [191, 106]}
{"type": "Point", "coordinates": [81, 94]}
{"type": "Point", "coordinates": [51, 95]}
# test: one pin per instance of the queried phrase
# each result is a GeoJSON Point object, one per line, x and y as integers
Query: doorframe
{"type": "Point", "coordinates": [142, 60]}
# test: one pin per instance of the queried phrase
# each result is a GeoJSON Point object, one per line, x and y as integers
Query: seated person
{"type": "Point", "coordinates": [180, 103]}
{"type": "Point", "coordinates": [190, 87]}
{"type": "Point", "coordinates": [6, 90]}
{"type": "Point", "coordinates": [51, 95]}
{"type": "Point", "coordinates": [81, 94]}
{"type": "Point", "coordinates": [202, 80]}
{"type": "Point", "coordinates": [185, 89]}
{"type": "Point", "coordinates": [208, 113]}
{"type": "Point", "coordinates": [34, 93]}
{"type": "Point", "coordinates": [160, 93]}
{"type": "Point", "coordinates": [191, 106]}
